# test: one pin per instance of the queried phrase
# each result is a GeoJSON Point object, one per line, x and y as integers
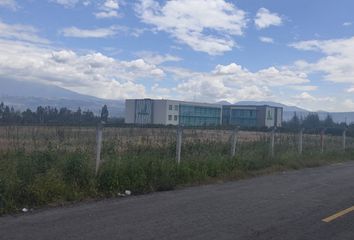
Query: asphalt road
{"type": "Point", "coordinates": [289, 205]}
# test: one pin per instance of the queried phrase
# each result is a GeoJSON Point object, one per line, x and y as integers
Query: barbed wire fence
{"type": "Point", "coordinates": [177, 143]}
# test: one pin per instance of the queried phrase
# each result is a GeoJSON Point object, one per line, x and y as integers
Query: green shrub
{"type": "Point", "coordinates": [48, 187]}
{"type": "Point", "coordinates": [42, 177]}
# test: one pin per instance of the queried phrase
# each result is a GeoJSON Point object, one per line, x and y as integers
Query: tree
{"type": "Point", "coordinates": [104, 114]}
{"type": "Point", "coordinates": [294, 122]}
{"type": "Point", "coordinates": [312, 121]}
{"type": "Point", "coordinates": [328, 122]}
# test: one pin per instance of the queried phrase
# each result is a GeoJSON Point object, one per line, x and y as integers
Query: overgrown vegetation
{"type": "Point", "coordinates": [54, 177]}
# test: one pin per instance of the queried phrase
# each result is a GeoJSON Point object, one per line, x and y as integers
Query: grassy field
{"type": "Point", "coordinates": [56, 165]}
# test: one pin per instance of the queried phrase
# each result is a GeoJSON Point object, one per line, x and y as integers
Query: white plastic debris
{"type": "Point", "coordinates": [24, 210]}
{"type": "Point", "coordinates": [128, 192]}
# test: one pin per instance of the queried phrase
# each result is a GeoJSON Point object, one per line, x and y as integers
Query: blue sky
{"type": "Point", "coordinates": [294, 52]}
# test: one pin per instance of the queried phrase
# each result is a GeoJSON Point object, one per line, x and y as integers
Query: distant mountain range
{"type": "Point", "coordinates": [23, 95]}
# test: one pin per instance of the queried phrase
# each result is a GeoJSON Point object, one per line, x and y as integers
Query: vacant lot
{"type": "Point", "coordinates": [54, 165]}
{"type": "Point", "coordinates": [34, 138]}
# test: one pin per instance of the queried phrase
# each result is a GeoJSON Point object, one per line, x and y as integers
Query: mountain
{"type": "Point", "coordinates": [21, 89]}
{"type": "Point", "coordinates": [23, 95]}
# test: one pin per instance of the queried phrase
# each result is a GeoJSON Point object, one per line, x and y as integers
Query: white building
{"type": "Point", "coordinates": [172, 112]}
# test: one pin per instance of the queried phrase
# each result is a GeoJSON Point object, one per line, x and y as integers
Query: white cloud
{"type": "Point", "coordinates": [204, 25]}
{"type": "Point", "coordinates": [24, 59]}
{"type": "Point", "coordinates": [306, 97]}
{"type": "Point", "coordinates": [109, 9]}
{"type": "Point", "coordinates": [350, 90]}
{"type": "Point", "coordinates": [92, 73]}
{"type": "Point", "coordinates": [233, 83]}
{"type": "Point", "coordinates": [265, 19]}
{"type": "Point", "coordinates": [20, 32]}
{"type": "Point", "coordinates": [107, 14]}
{"type": "Point", "coordinates": [349, 104]}
{"type": "Point", "coordinates": [303, 87]}
{"type": "Point", "coordinates": [315, 103]}
{"type": "Point", "coordinates": [90, 33]}
{"type": "Point", "coordinates": [337, 65]}
{"type": "Point", "coordinates": [11, 4]}
{"type": "Point", "coordinates": [271, 76]}
{"type": "Point", "coordinates": [66, 3]}
{"type": "Point", "coordinates": [157, 59]}
{"type": "Point", "coordinates": [266, 39]}
{"type": "Point", "coordinates": [347, 24]}
{"type": "Point", "coordinates": [111, 4]}
{"type": "Point", "coordinates": [160, 92]}
{"type": "Point", "coordinates": [71, 3]}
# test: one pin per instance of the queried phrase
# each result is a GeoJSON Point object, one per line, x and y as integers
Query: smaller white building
{"type": "Point", "coordinates": [171, 112]}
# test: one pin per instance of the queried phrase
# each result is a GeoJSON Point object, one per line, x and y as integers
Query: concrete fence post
{"type": "Point", "coordinates": [99, 131]}
{"type": "Point", "coordinates": [179, 144]}
{"type": "Point", "coordinates": [322, 140]}
{"type": "Point", "coordinates": [272, 142]}
{"type": "Point", "coordinates": [301, 133]}
{"type": "Point", "coordinates": [234, 142]}
{"type": "Point", "coordinates": [344, 139]}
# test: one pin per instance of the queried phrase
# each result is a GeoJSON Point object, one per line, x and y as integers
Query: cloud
{"type": "Point", "coordinates": [265, 19]}
{"type": "Point", "coordinates": [303, 87]}
{"type": "Point", "coordinates": [350, 90]}
{"type": "Point", "coordinates": [349, 103]}
{"type": "Point", "coordinates": [11, 4]}
{"type": "Point", "coordinates": [66, 3]}
{"type": "Point", "coordinates": [271, 76]}
{"type": "Point", "coordinates": [316, 103]}
{"type": "Point", "coordinates": [306, 97]}
{"type": "Point", "coordinates": [109, 9]}
{"type": "Point", "coordinates": [157, 59]}
{"type": "Point", "coordinates": [23, 58]}
{"type": "Point", "coordinates": [266, 39]}
{"type": "Point", "coordinates": [92, 73]}
{"type": "Point", "coordinates": [90, 33]}
{"type": "Point", "coordinates": [347, 24]}
{"type": "Point", "coordinates": [204, 25]}
{"type": "Point", "coordinates": [337, 64]}
{"type": "Point", "coordinates": [71, 3]}
{"type": "Point", "coordinates": [21, 32]}
{"type": "Point", "coordinates": [232, 82]}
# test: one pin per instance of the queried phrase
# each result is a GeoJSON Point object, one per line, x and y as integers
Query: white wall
{"type": "Point", "coordinates": [279, 117]}
{"type": "Point", "coordinates": [174, 112]}
{"type": "Point", "coordinates": [129, 111]}
{"type": "Point", "coordinates": [159, 112]}
{"type": "Point", "coordinates": [270, 117]}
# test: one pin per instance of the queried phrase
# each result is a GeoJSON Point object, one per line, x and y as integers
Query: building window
{"type": "Point", "coordinates": [170, 117]}
{"type": "Point", "coordinates": [169, 107]}
{"type": "Point", "coordinates": [176, 107]}
{"type": "Point", "coordinates": [176, 118]}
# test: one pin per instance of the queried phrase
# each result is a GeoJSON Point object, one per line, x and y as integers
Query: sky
{"type": "Point", "coordinates": [294, 52]}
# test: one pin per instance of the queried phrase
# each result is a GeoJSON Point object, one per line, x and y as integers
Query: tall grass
{"type": "Point", "coordinates": [53, 176]}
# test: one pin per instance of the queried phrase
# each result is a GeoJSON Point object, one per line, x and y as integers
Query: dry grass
{"type": "Point", "coordinates": [40, 138]}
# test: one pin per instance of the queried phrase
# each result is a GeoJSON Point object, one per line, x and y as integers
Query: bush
{"type": "Point", "coordinates": [39, 178]}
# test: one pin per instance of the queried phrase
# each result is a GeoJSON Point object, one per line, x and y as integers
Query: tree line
{"type": "Point", "coordinates": [51, 115]}
{"type": "Point", "coordinates": [312, 123]}
{"type": "Point", "coordinates": [65, 116]}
